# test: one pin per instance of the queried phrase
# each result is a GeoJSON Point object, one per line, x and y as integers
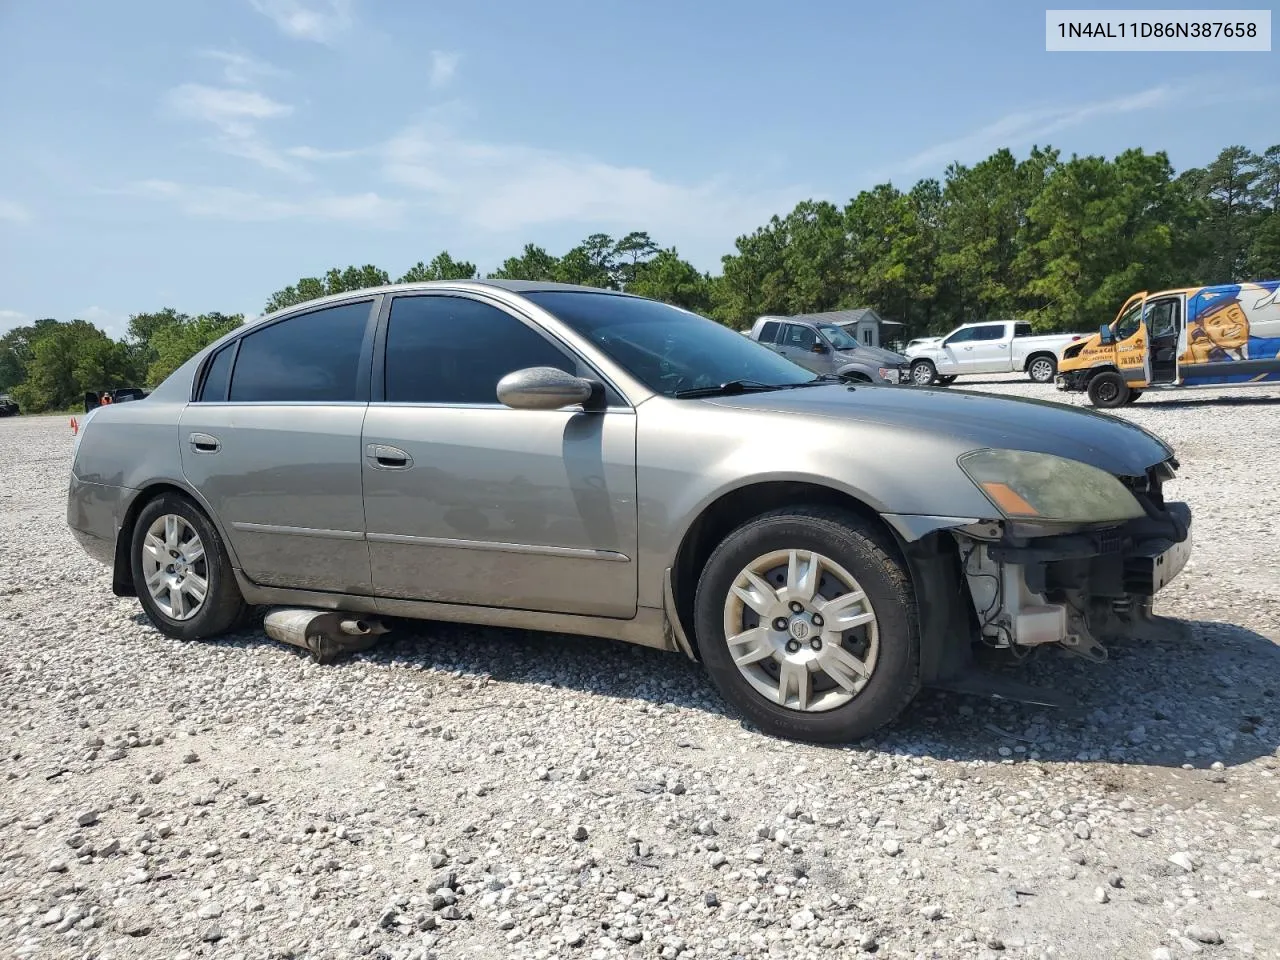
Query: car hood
{"type": "Point", "coordinates": [975, 420]}
{"type": "Point", "coordinates": [872, 355]}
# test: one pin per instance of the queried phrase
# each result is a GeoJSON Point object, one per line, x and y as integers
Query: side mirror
{"type": "Point", "coordinates": [543, 388]}
{"type": "Point", "coordinates": [819, 348]}
{"type": "Point", "coordinates": [1105, 335]}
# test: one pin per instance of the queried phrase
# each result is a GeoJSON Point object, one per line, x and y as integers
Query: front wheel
{"type": "Point", "coordinates": [1108, 390]}
{"type": "Point", "coordinates": [181, 571]}
{"type": "Point", "coordinates": [1042, 369]}
{"type": "Point", "coordinates": [1133, 395]}
{"type": "Point", "coordinates": [806, 622]}
{"type": "Point", "coordinates": [947, 381]}
{"type": "Point", "coordinates": [923, 373]}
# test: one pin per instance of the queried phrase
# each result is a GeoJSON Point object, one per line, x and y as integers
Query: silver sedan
{"type": "Point", "coordinates": [583, 461]}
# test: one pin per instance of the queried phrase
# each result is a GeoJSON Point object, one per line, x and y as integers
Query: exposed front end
{"type": "Point", "coordinates": [1075, 363]}
{"type": "Point", "coordinates": [1076, 584]}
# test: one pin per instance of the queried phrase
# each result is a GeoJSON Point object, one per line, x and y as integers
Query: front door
{"type": "Point", "coordinates": [1163, 320]}
{"type": "Point", "coordinates": [991, 349]}
{"type": "Point", "coordinates": [272, 443]}
{"type": "Point", "coordinates": [797, 345]}
{"type": "Point", "coordinates": [1130, 345]}
{"type": "Point", "coordinates": [469, 501]}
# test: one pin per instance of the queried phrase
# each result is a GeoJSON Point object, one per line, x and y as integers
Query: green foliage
{"type": "Point", "coordinates": [67, 359]}
{"type": "Point", "coordinates": [176, 343]}
{"type": "Point", "coordinates": [443, 267]}
{"type": "Point", "coordinates": [667, 278]}
{"type": "Point", "coordinates": [533, 264]}
{"type": "Point", "coordinates": [335, 281]}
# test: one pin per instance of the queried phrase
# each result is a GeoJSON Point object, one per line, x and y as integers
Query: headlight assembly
{"type": "Point", "coordinates": [1040, 486]}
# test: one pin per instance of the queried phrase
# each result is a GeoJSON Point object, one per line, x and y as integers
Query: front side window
{"type": "Point", "coordinates": [963, 336]}
{"type": "Point", "coordinates": [455, 350]}
{"type": "Point", "coordinates": [311, 358]}
{"type": "Point", "coordinates": [991, 331]}
{"type": "Point", "coordinates": [666, 348]}
{"type": "Point", "coordinates": [1128, 324]}
{"type": "Point", "coordinates": [800, 338]}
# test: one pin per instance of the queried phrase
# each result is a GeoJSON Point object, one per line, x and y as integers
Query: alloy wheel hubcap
{"type": "Point", "coordinates": [175, 567]}
{"type": "Point", "coordinates": [801, 630]}
{"type": "Point", "coordinates": [1041, 370]}
{"type": "Point", "coordinates": [922, 374]}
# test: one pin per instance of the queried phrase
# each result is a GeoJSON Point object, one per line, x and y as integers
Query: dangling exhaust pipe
{"type": "Point", "coordinates": [325, 634]}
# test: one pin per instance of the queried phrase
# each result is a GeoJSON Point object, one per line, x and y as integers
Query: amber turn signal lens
{"type": "Point", "coordinates": [1008, 500]}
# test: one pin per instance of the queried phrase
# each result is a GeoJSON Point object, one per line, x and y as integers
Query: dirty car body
{"type": "Point", "coordinates": [626, 469]}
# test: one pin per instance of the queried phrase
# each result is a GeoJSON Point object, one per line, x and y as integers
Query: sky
{"type": "Point", "coordinates": [206, 153]}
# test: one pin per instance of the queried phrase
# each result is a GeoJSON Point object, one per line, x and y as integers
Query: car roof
{"type": "Point", "coordinates": [511, 286]}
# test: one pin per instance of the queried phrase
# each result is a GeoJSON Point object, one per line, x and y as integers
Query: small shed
{"type": "Point", "coordinates": [860, 322]}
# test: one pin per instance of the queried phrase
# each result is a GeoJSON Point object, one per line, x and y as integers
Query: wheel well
{"type": "Point", "coordinates": [122, 584]}
{"type": "Point", "coordinates": [733, 509]}
{"type": "Point", "coordinates": [856, 376]}
{"type": "Point", "coordinates": [1094, 371]}
{"type": "Point", "coordinates": [1047, 354]}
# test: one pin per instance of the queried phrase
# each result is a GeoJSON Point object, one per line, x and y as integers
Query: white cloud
{"type": "Point", "coordinates": [13, 212]}
{"type": "Point", "coordinates": [443, 66]}
{"type": "Point", "coordinates": [231, 203]}
{"type": "Point", "coordinates": [240, 69]}
{"type": "Point", "coordinates": [501, 187]}
{"type": "Point", "coordinates": [1030, 126]}
{"type": "Point", "coordinates": [321, 21]}
{"type": "Point", "coordinates": [236, 113]}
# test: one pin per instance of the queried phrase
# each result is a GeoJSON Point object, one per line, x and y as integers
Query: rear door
{"type": "Point", "coordinates": [470, 501]}
{"type": "Point", "coordinates": [272, 442]}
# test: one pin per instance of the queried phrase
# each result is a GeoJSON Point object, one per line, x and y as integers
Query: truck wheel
{"type": "Point", "coordinates": [1042, 369]}
{"type": "Point", "coordinates": [947, 381]}
{"type": "Point", "coordinates": [1108, 390]}
{"type": "Point", "coordinates": [1133, 395]}
{"type": "Point", "coordinates": [923, 373]}
{"type": "Point", "coordinates": [806, 622]}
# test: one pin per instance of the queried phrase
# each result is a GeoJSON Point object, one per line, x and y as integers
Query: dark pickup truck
{"type": "Point", "coordinates": [119, 395]}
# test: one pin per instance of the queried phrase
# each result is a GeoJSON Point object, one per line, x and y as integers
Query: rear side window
{"type": "Point", "coordinates": [769, 332]}
{"type": "Point", "coordinates": [991, 331]}
{"type": "Point", "coordinates": [454, 350]}
{"type": "Point", "coordinates": [218, 376]}
{"type": "Point", "coordinates": [312, 358]}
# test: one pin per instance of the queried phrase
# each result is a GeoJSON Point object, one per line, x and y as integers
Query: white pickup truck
{"type": "Point", "coordinates": [1005, 346]}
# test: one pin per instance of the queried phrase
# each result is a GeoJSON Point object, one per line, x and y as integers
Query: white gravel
{"type": "Point", "coordinates": [480, 793]}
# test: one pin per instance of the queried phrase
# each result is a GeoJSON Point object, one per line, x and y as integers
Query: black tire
{"type": "Point", "coordinates": [946, 381]}
{"type": "Point", "coordinates": [1108, 390]}
{"type": "Point", "coordinates": [223, 608]}
{"type": "Point", "coordinates": [918, 375]}
{"type": "Point", "coordinates": [865, 552]}
{"type": "Point", "coordinates": [1042, 368]}
{"type": "Point", "coordinates": [1133, 395]}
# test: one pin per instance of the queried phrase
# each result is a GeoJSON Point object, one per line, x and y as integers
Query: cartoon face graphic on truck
{"type": "Point", "coordinates": [1219, 333]}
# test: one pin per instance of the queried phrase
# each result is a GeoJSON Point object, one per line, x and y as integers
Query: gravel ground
{"type": "Point", "coordinates": [481, 793]}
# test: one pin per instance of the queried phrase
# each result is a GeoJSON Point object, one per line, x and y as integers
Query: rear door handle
{"type": "Point", "coordinates": [386, 457]}
{"type": "Point", "coordinates": [204, 443]}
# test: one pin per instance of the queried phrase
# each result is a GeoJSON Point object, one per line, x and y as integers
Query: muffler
{"type": "Point", "coordinates": [325, 634]}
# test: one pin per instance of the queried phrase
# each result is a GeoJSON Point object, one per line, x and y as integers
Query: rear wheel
{"type": "Point", "coordinates": [1108, 390]}
{"type": "Point", "coordinates": [946, 381]}
{"type": "Point", "coordinates": [923, 373]}
{"type": "Point", "coordinates": [181, 571]}
{"type": "Point", "coordinates": [1042, 369]}
{"type": "Point", "coordinates": [806, 622]}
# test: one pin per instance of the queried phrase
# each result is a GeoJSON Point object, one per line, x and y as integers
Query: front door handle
{"type": "Point", "coordinates": [386, 457]}
{"type": "Point", "coordinates": [204, 443]}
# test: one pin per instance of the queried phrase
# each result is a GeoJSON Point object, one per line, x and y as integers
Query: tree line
{"type": "Point", "coordinates": [1059, 242]}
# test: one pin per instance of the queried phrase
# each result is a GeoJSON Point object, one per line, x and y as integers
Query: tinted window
{"type": "Point", "coordinates": [666, 348]}
{"type": "Point", "coordinates": [769, 332]}
{"type": "Point", "coordinates": [314, 357]}
{"type": "Point", "coordinates": [1127, 326]}
{"type": "Point", "coordinates": [454, 350]}
{"type": "Point", "coordinates": [963, 336]}
{"type": "Point", "coordinates": [1022, 329]}
{"type": "Point", "coordinates": [992, 331]}
{"type": "Point", "coordinates": [218, 376]}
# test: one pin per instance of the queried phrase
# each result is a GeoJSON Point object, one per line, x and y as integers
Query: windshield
{"type": "Point", "coordinates": [839, 338]}
{"type": "Point", "coordinates": [666, 348]}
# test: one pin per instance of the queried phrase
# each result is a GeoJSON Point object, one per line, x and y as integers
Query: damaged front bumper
{"type": "Point", "coordinates": [1077, 589]}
